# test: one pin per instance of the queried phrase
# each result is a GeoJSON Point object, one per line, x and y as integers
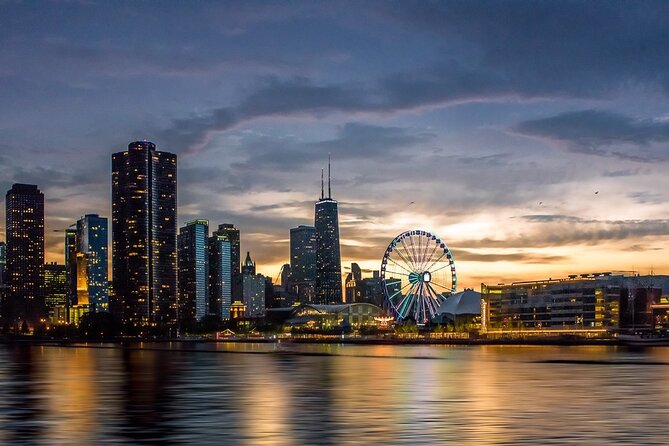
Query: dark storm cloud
{"type": "Point", "coordinates": [567, 47]}
{"type": "Point", "coordinates": [603, 133]}
{"type": "Point", "coordinates": [491, 51]}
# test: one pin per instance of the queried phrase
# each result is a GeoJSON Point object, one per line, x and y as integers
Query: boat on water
{"type": "Point", "coordinates": [644, 341]}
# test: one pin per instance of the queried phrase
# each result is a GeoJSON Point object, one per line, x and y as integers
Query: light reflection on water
{"type": "Point", "coordinates": [332, 394]}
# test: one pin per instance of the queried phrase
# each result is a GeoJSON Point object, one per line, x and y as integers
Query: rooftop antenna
{"type": "Point", "coordinates": [322, 191]}
{"type": "Point", "coordinates": [329, 189]}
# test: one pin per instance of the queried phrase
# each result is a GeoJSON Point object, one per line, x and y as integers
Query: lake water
{"type": "Point", "coordinates": [273, 394]}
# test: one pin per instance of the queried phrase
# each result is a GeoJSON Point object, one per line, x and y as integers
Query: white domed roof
{"type": "Point", "coordinates": [464, 302]}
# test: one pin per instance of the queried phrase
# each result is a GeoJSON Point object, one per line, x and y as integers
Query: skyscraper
{"type": "Point", "coordinates": [303, 262]}
{"type": "Point", "coordinates": [193, 270]}
{"type": "Point", "coordinates": [3, 262]}
{"type": "Point", "coordinates": [249, 266]}
{"type": "Point", "coordinates": [353, 284]}
{"type": "Point", "coordinates": [25, 252]}
{"type": "Point", "coordinates": [91, 255]}
{"type": "Point", "coordinates": [328, 257]}
{"type": "Point", "coordinates": [220, 276]}
{"type": "Point", "coordinates": [55, 286]}
{"type": "Point", "coordinates": [71, 265]}
{"type": "Point", "coordinates": [144, 233]}
{"type": "Point", "coordinates": [232, 234]}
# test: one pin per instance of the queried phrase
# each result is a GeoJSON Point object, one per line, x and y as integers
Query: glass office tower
{"type": "Point", "coordinates": [193, 270]}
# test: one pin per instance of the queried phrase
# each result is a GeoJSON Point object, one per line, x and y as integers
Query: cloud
{"type": "Point", "coordinates": [519, 257]}
{"type": "Point", "coordinates": [566, 230]}
{"type": "Point", "coordinates": [623, 173]}
{"type": "Point", "coordinates": [646, 197]}
{"type": "Point", "coordinates": [604, 133]}
{"type": "Point", "coordinates": [568, 48]}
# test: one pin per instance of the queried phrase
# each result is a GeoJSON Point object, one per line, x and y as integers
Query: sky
{"type": "Point", "coordinates": [532, 137]}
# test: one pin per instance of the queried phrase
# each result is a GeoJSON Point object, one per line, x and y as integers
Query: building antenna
{"type": "Point", "coordinates": [322, 191]}
{"type": "Point", "coordinates": [329, 189]}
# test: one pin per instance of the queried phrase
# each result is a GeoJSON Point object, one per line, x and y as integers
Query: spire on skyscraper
{"type": "Point", "coordinates": [329, 189]}
{"type": "Point", "coordinates": [322, 187]}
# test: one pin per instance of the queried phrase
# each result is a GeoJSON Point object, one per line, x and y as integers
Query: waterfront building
{"type": "Point", "coordinates": [92, 262]}
{"type": "Point", "coordinates": [55, 286]}
{"type": "Point", "coordinates": [193, 247]}
{"type": "Point", "coordinates": [144, 233]}
{"type": "Point", "coordinates": [220, 276]}
{"type": "Point", "coordinates": [587, 304]}
{"type": "Point", "coordinates": [25, 253]}
{"type": "Point", "coordinates": [237, 310]}
{"type": "Point", "coordinates": [328, 256]}
{"type": "Point", "coordinates": [228, 230]}
{"type": "Point", "coordinates": [372, 289]}
{"type": "Point", "coordinates": [254, 295]}
{"type": "Point", "coordinates": [461, 310]}
{"type": "Point", "coordinates": [327, 317]}
{"type": "Point", "coordinates": [303, 263]}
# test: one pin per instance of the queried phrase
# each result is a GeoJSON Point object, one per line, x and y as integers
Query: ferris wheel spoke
{"type": "Point", "coordinates": [436, 261]}
{"type": "Point", "coordinates": [436, 298]}
{"type": "Point", "coordinates": [405, 269]}
{"type": "Point", "coordinates": [396, 273]}
{"type": "Point", "coordinates": [421, 253]}
{"type": "Point", "coordinates": [407, 262]}
{"type": "Point", "coordinates": [403, 305]}
{"type": "Point", "coordinates": [390, 298]}
{"type": "Point", "coordinates": [399, 292]}
{"type": "Point", "coordinates": [408, 253]}
{"type": "Point", "coordinates": [442, 267]}
{"type": "Point", "coordinates": [415, 252]}
{"type": "Point", "coordinates": [423, 303]}
{"type": "Point", "coordinates": [450, 290]}
{"type": "Point", "coordinates": [429, 258]}
{"type": "Point", "coordinates": [425, 257]}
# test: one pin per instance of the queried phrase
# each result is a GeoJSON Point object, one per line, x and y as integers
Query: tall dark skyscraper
{"type": "Point", "coordinates": [25, 252]}
{"type": "Point", "coordinates": [232, 234]}
{"type": "Point", "coordinates": [193, 244]}
{"type": "Point", "coordinates": [144, 233]}
{"type": "Point", "coordinates": [328, 257]}
{"type": "Point", "coordinates": [303, 263]}
{"type": "Point", "coordinates": [3, 262]}
{"type": "Point", "coordinates": [91, 247]}
{"type": "Point", "coordinates": [71, 265]}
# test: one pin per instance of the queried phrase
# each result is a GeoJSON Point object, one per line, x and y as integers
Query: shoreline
{"type": "Point", "coordinates": [300, 341]}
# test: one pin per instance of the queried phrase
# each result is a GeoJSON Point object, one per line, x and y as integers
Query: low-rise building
{"type": "Point", "coordinates": [586, 304]}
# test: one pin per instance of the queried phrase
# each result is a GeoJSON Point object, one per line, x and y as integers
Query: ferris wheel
{"type": "Point", "coordinates": [418, 274]}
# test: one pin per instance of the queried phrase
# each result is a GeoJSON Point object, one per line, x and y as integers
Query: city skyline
{"type": "Point", "coordinates": [529, 160]}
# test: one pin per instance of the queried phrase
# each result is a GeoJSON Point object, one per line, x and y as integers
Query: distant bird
{"type": "Point", "coordinates": [412, 202]}
{"type": "Point", "coordinates": [596, 192]}
{"type": "Point", "coordinates": [540, 203]}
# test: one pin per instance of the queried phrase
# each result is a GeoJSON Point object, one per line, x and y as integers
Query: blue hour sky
{"type": "Point", "coordinates": [531, 136]}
